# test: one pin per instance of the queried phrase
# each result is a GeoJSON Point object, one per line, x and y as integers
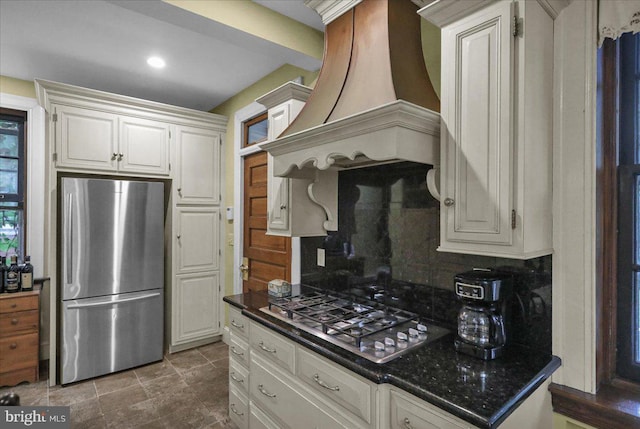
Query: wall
{"type": "Point", "coordinates": [22, 88]}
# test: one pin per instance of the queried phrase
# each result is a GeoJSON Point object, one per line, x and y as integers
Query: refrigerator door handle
{"type": "Point", "coordinates": [112, 302]}
{"type": "Point", "coordinates": [69, 239]}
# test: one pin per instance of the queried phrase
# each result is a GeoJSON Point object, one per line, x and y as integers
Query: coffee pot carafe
{"type": "Point", "coordinates": [482, 320]}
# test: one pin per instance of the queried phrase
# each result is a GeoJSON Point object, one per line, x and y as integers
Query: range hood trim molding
{"type": "Point", "coordinates": [408, 132]}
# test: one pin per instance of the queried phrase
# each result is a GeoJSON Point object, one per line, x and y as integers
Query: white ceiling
{"type": "Point", "coordinates": [104, 45]}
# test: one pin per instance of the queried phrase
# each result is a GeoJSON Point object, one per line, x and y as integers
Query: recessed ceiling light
{"type": "Point", "coordinates": [156, 62]}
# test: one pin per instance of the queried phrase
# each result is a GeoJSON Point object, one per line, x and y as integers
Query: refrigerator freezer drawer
{"type": "Point", "coordinates": [111, 333]}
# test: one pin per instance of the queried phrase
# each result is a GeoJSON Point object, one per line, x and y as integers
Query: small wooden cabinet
{"type": "Point", "coordinates": [19, 337]}
{"type": "Point", "coordinates": [497, 95]}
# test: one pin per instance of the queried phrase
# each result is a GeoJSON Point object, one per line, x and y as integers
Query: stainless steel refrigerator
{"type": "Point", "coordinates": [112, 280]}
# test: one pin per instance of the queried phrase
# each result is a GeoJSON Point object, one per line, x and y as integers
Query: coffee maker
{"type": "Point", "coordinates": [483, 318]}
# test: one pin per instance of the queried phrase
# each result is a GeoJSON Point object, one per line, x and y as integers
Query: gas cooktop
{"type": "Point", "coordinates": [374, 331]}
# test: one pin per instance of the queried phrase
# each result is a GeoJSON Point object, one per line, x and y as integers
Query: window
{"type": "Point", "coordinates": [12, 181]}
{"type": "Point", "coordinates": [628, 243]}
{"type": "Point", "coordinates": [255, 130]}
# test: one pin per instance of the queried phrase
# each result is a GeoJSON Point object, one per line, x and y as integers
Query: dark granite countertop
{"type": "Point", "coordinates": [482, 393]}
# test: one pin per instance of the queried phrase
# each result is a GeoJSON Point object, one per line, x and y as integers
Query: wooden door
{"type": "Point", "coordinates": [269, 256]}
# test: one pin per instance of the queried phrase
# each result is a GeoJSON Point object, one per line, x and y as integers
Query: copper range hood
{"type": "Point", "coordinates": [373, 101]}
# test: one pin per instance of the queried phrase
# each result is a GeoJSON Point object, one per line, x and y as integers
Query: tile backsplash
{"type": "Point", "coordinates": [388, 233]}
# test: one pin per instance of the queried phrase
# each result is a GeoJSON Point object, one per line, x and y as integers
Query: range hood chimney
{"type": "Point", "coordinates": [373, 101]}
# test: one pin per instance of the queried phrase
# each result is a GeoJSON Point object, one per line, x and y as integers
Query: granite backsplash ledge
{"type": "Point", "coordinates": [386, 248]}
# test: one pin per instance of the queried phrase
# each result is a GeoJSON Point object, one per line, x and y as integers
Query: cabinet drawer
{"type": "Point", "coordinates": [340, 386]}
{"type": "Point", "coordinates": [13, 378]}
{"type": "Point", "coordinates": [19, 303]}
{"type": "Point", "coordinates": [18, 323]}
{"type": "Point", "coordinates": [258, 419]}
{"type": "Point", "coordinates": [274, 392]}
{"type": "Point", "coordinates": [18, 352]}
{"type": "Point", "coordinates": [407, 412]}
{"type": "Point", "coordinates": [273, 347]}
{"type": "Point", "coordinates": [238, 408]}
{"type": "Point", "coordinates": [238, 376]}
{"type": "Point", "coordinates": [238, 350]}
{"type": "Point", "coordinates": [238, 324]}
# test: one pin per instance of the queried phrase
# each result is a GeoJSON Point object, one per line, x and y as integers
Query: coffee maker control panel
{"type": "Point", "coordinates": [469, 291]}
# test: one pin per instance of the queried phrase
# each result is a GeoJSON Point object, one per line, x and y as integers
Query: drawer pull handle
{"type": "Point", "coordinates": [13, 346]}
{"type": "Point", "coordinates": [265, 348]}
{"type": "Point", "coordinates": [406, 423]}
{"type": "Point", "coordinates": [264, 392]}
{"type": "Point", "coordinates": [237, 325]}
{"type": "Point", "coordinates": [14, 321]}
{"type": "Point", "coordinates": [236, 412]}
{"type": "Point", "coordinates": [235, 352]}
{"type": "Point", "coordinates": [234, 378]}
{"type": "Point", "coordinates": [316, 378]}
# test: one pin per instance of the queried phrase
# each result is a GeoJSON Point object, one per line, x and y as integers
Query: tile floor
{"type": "Point", "coordinates": [186, 390]}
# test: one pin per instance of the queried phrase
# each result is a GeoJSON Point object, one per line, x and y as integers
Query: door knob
{"type": "Point", "coordinates": [244, 268]}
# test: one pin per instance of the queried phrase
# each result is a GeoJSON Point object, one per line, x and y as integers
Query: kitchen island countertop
{"type": "Point", "coordinates": [484, 393]}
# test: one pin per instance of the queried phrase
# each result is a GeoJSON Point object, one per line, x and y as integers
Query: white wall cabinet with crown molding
{"type": "Point", "coordinates": [496, 135]}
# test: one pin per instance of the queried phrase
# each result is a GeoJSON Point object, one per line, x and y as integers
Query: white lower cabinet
{"type": "Point", "coordinates": [238, 408]}
{"type": "Point", "coordinates": [408, 412]}
{"type": "Point", "coordinates": [258, 419]}
{"type": "Point", "coordinates": [195, 313]}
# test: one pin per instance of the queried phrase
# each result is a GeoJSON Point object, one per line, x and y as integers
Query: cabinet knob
{"type": "Point", "coordinates": [120, 156]}
{"type": "Point", "coordinates": [114, 156]}
{"type": "Point", "coordinates": [282, 207]}
{"type": "Point", "coordinates": [180, 191]}
{"type": "Point", "coordinates": [449, 202]}
{"type": "Point", "coordinates": [178, 236]}
{"type": "Point", "coordinates": [13, 346]}
{"type": "Point", "coordinates": [14, 321]}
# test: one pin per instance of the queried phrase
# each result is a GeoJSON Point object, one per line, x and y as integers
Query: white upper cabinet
{"type": "Point", "coordinates": [144, 146]}
{"type": "Point", "coordinates": [496, 131]}
{"type": "Point", "coordinates": [91, 139]}
{"type": "Point", "coordinates": [198, 175]}
{"type": "Point", "coordinates": [85, 138]}
{"type": "Point", "coordinates": [304, 206]}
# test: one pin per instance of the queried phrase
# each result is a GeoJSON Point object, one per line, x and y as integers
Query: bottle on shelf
{"type": "Point", "coordinates": [12, 278]}
{"type": "Point", "coordinates": [26, 274]}
{"type": "Point", "coordinates": [3, 268]}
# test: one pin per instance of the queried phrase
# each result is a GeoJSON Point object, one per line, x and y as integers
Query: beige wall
{"type": "Point", "coordinates": [13, 86]}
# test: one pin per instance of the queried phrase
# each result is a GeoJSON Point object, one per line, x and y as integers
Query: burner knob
{"type": "Point", "coordinates": [413, 332]}
{"type": "Point", "coordinates": [422, 328]}
{"type": "Point", "coordinates": [402, 336]}
{"type": "Point", "coordinates": [379, 346]}
{"type": "Point", "coordinates": [388, 342]}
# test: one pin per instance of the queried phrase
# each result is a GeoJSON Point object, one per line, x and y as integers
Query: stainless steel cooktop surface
{"type": "Point", "coordinates": [374, 331]}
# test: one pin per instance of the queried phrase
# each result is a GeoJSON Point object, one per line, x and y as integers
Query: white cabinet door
{"type": "Point", "coordinates": [278, 199]}
{"type": "Point", "coordinates": [195, 311]}
{"type": "Point", "coordinates": [198, 239]}
{"type": "Point", "coordinates": [198, 175]}
{"type": "Point", "coordinates": [478, 52]}
{"type": "Point", "coordinates": [85, 138]}
{"type": "Point", "coordinates": [144, 146]}
{"type": "Point", "coordinates": [497, 103]}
